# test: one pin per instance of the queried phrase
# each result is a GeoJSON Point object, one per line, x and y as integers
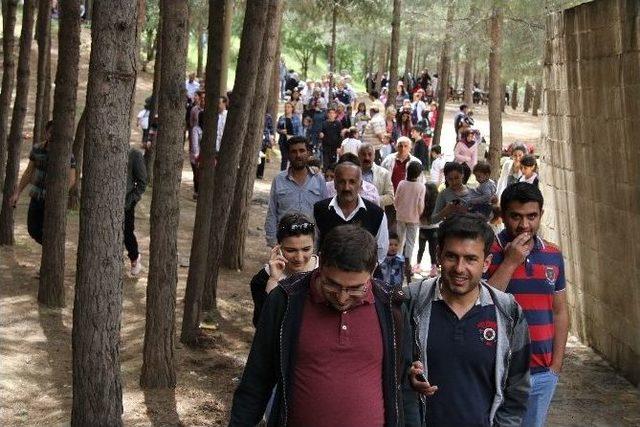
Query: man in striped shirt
{"type": "Point", "coordinates": [533, 271]}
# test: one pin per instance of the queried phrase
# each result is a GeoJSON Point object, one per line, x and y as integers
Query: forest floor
{"type": "Point", "coordinates": [35, 342]}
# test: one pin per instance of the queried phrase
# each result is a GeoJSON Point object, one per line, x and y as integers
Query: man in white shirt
{"type": "Point", "coordinates": [192, 85]}
{"type": "Point", "coordinates": [222, 119]}
{"type": "Point", "coordinates": [437, 166]}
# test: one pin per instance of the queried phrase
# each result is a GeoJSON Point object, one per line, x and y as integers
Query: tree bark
{"type": "Point", "coordinates": [97, 386]}
{"type": "Point", "coordinates": [229, 5]}
{"type": "Point", "coordinates": [526, 103]}
{"type": "Point", "coordinates": [158, 365]}
{"type": "Point", "coordinates": [382, 51]}
{"type": "Point", "coordinates": [468, 78]}
{"type": "Point", "coordinates": [43, 38]}
{"type": "Point", "coordinates": [274, 90]}
{"type": "Point", "coordinates": [78, 153]}
{"type": "Point", "coordinates": [514, 96]}
{"type": "Point", "coordinates": [496, 90]}
{"type": "Point", "coordinates": [444, 71]}
{"type": "Point", "coordinates": [236, 230]}
{"type": "Point", "coordinates": [200, 46]}
{"type": "Point", "coordinates": [9, 8]}
{"type": "Point", "coordinates": [200, 244]}
{"type": "Point", "coordinates": [150, 154]}
{"type": "Point", "coordinates": [408, 61]}
{"type": "Point", "coordinates": [456, 70]}
{"type": "Point", "coordinates": [235, 130]}
{"type": "Point", "coordinates": [14, 141]}
{"type": "Point", "coordinates": [88, 8]}
{"type": "Point", "coordinates": [51, 289]}
{"type": "Point", "coordinates": [537, 99]}
{"type": "Point", "coordinates": [332, 48]}
{"type": "Point", "coordinates": [394, 52]}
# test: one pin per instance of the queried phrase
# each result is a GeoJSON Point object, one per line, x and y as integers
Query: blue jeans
{"type": "Point", "coordinates": [543, 385]}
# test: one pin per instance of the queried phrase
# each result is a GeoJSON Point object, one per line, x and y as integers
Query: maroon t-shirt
{"type": "Point", "coordinates": [399, 172]}
{"type": "Point", "coordinates": [337, 378]}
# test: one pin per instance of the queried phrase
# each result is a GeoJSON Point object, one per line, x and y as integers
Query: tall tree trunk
{"type": "Point", "coordinates": [468, 79]}
{"type": "Point", "coordinates": [408, 61]}
{"type": "Point", "coordinates": [514, 96]}
{"type": "Point", "coordinates": [253, 32]}
{"type": "Point", "coordinates": [9, 8]}
{"type": "Point", "coordinates": [485, 83]}
{"type": "Point", "coordinates": [200, 48]}
{"type": "Point", "coordinates": [526, 103]}
{"type": "Point", "coordinates": [229, 6]}
{"type": "Point", "coordinates": [88, 10]}
{"type": "Point", "coordinates": [274, 89]}
{"type": "Point", "coordinates": [537, 99]}
{"type": "Point", "coordinates": [51, 289]}
{"type": "Point", "coordinates": [394, 52]}
{"type": "Point", "coordinates": [382, 51]}
{"type": "Point", "coordinates": [236, 231]}
{"type": "Point", "coordinates": [443, 77]}
{"type": "Point", "coordinates": [332, 48]}
{"type": "Point", "coordinates": [496, 90]}
{"type": "Point", "coordinates": [97, 386]}
{"type": "Point", "coordinates": [43, 38]}
{"type": "Point", "coordinates": [150, 154]}
{"type": "Point", "coordinates": [456, 70]}
{"type": "Point", "coordinates": [503, 101]}
{"type": "Point", "coordinates": [14, 141]}
{"type": "Point", "coordinates": [202, 224]}
{"type": "Point", "coordinates": [78, 154]}
{"type": "Point", "coordinates": [158, 365]}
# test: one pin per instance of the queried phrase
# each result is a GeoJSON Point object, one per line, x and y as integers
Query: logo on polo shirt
{"type": "Point", "coordinates": [551, 274]}
{"type": "Point", "coordinates": [488, 334]}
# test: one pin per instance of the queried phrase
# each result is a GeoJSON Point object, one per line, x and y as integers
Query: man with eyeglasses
{"type": "Point", "coordinates": [330, 341]}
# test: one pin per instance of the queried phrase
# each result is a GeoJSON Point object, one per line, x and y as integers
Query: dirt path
{"type": "Point", "coordinates": [35, 342]}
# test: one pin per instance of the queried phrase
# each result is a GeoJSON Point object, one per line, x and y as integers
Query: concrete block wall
{"type": "Point", "coordinates": [590, 171]}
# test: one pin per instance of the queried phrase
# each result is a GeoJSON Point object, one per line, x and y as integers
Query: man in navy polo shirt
{"type": "Point", "coordinates": [532, 270]}
{"type": "Point", "coordinates": [471, 341]}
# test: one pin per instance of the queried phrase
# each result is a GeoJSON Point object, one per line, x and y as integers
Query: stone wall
{"type": "Point", "coordinates": [590, 171]}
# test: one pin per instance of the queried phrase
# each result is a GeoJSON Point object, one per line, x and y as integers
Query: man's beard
{"type": "Point", "coordinates": [298, 165]}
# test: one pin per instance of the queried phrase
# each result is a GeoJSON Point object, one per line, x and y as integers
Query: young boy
{"type": "Point", "coordinates": [484, 195]}
{"type": "Point", "coordinates": [393, 265]}
{"type": "Point", "coordinates": [529, 168]}
{"type": "Point", "coordinates": [329, 172]}
{"type": "Point", "coordinates": [437, 166]}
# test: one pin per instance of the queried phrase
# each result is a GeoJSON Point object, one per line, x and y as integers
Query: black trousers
{"type": "Point", "coordinates": [130, 241]}
{"type": "Point", "coordinates": [260, 170]}
{"type": "Point", "coordinates": [35, 219]}
{"type": "Point", "coordinates": [428, 235]}
{"type": "Point", "coordinates": [196, 177]}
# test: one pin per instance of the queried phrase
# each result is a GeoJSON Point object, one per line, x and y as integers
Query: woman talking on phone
{"type": "Point", "coordinates": [293, 254]}
{"type": "Point", "coordinates": [452, 199]}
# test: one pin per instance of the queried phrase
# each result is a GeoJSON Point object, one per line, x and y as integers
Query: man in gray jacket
{"type": "Point", "coordinates": [471, 341]}
{"type": "Point", "coordinates": [136, 184]}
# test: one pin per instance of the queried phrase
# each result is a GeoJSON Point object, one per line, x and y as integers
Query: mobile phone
{"type": "Point", "coordinates": [421, 378]}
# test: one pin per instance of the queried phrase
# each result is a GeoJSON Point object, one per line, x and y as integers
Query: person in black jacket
{"type": "Point", "coordinates": [136, 184]}
{"type": "Point", "coordinates": [330, 341]}
{"type": "Point", "coordinates": [293, 254]}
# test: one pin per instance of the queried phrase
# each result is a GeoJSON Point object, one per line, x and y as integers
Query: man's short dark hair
{"type": "Point", "coordinates": [375, 93]}
{"type": "Point", "coordinates": [482, 167]}
{"type": "Point", "coordinates": [466, 226]}
{"type": "Point", "coordinates": [350, 158]}
{"type": "Point", "coordinates": [436, 149]}
{"type": "Point", "coordinates": [294, 140]}
{"type": "Point", "coordinates": [349, 248]}
{"type": "Point", "coordinates": [463, 106]}
{"type": "Point", "coordinates": [453, 166]}
{"type": "Point", "coordinates": [521, 192]}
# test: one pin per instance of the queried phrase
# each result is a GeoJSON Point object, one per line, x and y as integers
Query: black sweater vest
{"type": "Point", "coordinates": [327, 218]}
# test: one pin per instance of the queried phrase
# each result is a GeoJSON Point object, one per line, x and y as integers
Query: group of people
{"type": "Point", "coordinates": [346, 336]}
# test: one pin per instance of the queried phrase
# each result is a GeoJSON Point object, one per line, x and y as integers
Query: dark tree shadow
{"type": "Point", "coordinates": [161, 407]}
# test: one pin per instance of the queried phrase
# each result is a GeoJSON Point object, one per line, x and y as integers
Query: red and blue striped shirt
{"type": "Point", "coordinates": [534, 284]}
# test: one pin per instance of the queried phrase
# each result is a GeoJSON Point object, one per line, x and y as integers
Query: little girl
{"type": "Point", "coordinates": [409, 204]}
{"type": "Point", "coordinates": [529, 169]}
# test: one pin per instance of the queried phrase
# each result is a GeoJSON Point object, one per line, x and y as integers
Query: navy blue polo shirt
{"type": "Point", "coordinates": [461, 359]}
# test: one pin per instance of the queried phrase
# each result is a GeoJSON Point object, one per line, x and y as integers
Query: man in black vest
{"type": "Point", "coordinates": [347, 207]}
